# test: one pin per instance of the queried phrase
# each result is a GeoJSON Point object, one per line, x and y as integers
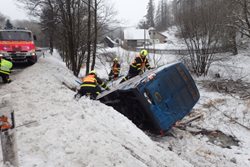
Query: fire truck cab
{"type": "Point", "coordinates": [17, 45]}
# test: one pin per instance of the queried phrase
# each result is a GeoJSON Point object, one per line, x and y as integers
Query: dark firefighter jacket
{"type": "Point", "coordinates": [139, 64]}
{"type": "Point", "coordinates": [5, 66]}
{"type": "Point", "coordinates": [92, 80]}
{"type": "Point", "coordinates": [116, 68]}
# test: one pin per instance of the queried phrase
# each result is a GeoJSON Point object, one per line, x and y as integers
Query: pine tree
{"type": "Point", "coordinates": [8, 25]}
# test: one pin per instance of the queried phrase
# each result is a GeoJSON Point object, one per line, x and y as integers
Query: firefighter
{"type": "Point", "coordinates": [91, 86]}
{"type": "Point", "coordinates": [5, 69]}
{"type": "Point", "coordinates": [138, 66]}
{"type": "Point", "coordinates": [115, 71]}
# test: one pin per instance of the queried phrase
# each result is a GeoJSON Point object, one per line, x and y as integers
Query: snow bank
{"type": "Point", "coordinates": [232, 67]}
{"type": "Point", "coordinates": [59, 131]}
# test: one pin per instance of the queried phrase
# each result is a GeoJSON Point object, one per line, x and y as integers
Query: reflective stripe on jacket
{"type": "Point", "coordinates": [89, 81]}
{"type": "Point", "coordinates": [5, 66]}
{"type": "Point", "coordinates": [140, 64]}
{"type": "Point", "coordinates": [92, 80]}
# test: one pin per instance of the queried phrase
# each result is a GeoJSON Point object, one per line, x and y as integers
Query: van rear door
{"type": "Point", "coordinates": [172, 94]}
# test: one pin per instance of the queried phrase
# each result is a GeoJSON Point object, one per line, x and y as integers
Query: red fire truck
{"type": "Point", "coordinates": [18, 45]}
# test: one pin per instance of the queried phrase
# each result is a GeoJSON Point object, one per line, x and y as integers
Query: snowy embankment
{"type": "Point", "coordinates": [221, 137]}
{"type": "Point", "coordinates": [61, 132]}
{"type": "Point", "coordinates": [223, 110]}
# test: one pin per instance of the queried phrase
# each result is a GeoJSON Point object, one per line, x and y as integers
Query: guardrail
{"type": "Point", "coordinates": [183, 51]}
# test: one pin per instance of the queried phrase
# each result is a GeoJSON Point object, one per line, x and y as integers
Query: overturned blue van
{"type": "Point", "coordinates": [155, 100]}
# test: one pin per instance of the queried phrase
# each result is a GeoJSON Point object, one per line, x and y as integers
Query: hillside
{"type": "Point", "coordinates": [59, 131]}
{"type": "Point", "coordinates": [67, 133]}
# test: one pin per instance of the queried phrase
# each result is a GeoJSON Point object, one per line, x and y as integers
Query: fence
{"type": "Point", "coordinates": [183, 51]}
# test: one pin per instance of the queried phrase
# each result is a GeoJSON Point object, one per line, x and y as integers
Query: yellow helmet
{"type": "Point", "coordinates": [144, 52]}
{"type": "Point", "coordinates": [115, 59]}
{"type": "Point", "coordinates": [92, 72]}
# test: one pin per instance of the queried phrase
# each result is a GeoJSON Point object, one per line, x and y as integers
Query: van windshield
{"type": "Point", "coordinates": [15, 36]}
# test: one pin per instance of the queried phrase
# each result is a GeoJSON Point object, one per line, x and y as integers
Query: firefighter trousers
{"type": "Point", "coordinates": [131, 73]}
{"type": "Point", "coordinates": [5, 78]}
{"type": "Point", "coordinates": [93, 92]}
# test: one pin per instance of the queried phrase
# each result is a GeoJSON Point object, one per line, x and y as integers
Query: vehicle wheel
{"type": "Point", "coordinates": [32, 61]}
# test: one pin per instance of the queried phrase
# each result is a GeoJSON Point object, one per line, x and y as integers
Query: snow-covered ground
{"type": "Point", "coordinates": [61, 132]}
{"type": "Point", "coordinates": [70, 133]}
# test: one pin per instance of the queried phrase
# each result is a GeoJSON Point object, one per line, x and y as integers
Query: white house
{"type": "Point", "coordinates": [138, 37]}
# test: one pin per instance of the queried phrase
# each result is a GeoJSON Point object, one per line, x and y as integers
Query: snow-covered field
{"type": "Point", "coordinates": [58, 131]}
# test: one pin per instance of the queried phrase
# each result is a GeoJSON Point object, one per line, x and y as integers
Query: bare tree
{"type": "Point", "coordinates": [241, 16]}
{"type": "Point", "coordinates": [49, 20]}
{"type": "Point", "coordinates": [200, 24]}
{"type": "Point", "coordinates": [95, 33]}
{"type": "Point", "coordinates": [150, 14]}
{"type": "Point", "coordinates": [230, 31]}
{"type": "Point", "coordinates": [163, 18]}
{"type": "Point", "coordinates": [78, 25]}
{"type": "Point", "coordinates": [46, 11]}
{"type": "Point", "coordinates": [89, 27]}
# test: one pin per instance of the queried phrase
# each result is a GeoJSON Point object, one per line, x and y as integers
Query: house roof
{"type": "Point", "coordinates": [110, 40]}
{"type": "Point", "coordinates": [135, 34]}
{"type": "Point", "coordinates": [164, 36]}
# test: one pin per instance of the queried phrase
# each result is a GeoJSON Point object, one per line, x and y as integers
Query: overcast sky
{"type": "Point", "coordinates": [129, 12]}
{"type": "Point", "coordinates": [12, 10]}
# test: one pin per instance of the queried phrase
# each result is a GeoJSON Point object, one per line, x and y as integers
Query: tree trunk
{"type": "Point", "coordinates": [95, 36]}
{"type": "Point", "coordinates": [234, 44]}
{"type": "Point", "coordinates": [246, 13]}
{"type": "Point", "coordinates": [71, 43]}
{"type": "Point", "coordinates": [88, 38]}
{"type": "Point", "coordinates": [51, 46]}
